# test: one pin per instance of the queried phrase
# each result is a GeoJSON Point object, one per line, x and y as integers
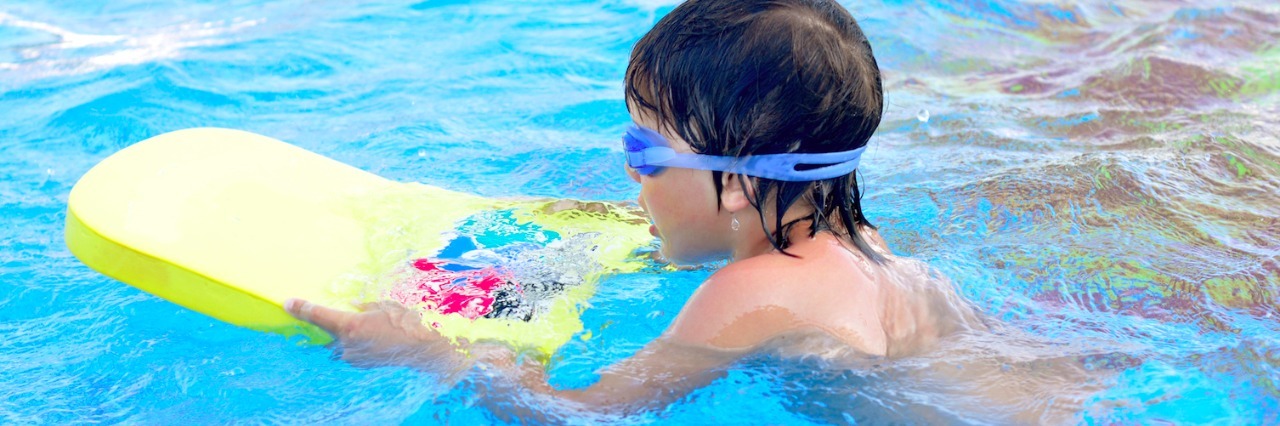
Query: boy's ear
{"type": "Point", "coordinates": [733, 198]}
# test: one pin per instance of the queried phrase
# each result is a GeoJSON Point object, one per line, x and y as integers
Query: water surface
{"type": "Point", "coordinates": [1099, 178]}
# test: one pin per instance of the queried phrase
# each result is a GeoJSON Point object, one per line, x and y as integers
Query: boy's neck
{"type": "Point", "coordinates": [757, 242]}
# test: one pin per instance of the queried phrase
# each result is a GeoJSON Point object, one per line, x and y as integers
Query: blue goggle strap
{"type": "Point", "coordinates": [769, 166]}
{"type": "Point", "coordinates": [647, 151]}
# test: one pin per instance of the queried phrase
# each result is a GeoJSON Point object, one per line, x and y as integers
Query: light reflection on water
{"type": "Point", "coordinates": [1102, 176]}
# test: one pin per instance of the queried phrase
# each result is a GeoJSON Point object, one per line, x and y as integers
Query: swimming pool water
{"type": "Point", "coordinates": [1100, 178]}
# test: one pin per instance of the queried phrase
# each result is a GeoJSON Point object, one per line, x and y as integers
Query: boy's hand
{"type": "Point", "coordinates": [380, 334]}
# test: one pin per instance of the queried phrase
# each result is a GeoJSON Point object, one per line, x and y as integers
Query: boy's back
{"type": "Point", "coordinates": [894, 308]}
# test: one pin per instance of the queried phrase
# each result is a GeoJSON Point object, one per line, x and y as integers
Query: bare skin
{"type": "Point", "coordinates": [758, 300]}
{"type": "Point", "coordinates": [746, 306]}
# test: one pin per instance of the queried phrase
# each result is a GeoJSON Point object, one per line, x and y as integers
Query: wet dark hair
{"type": "Point", "coordinates": [748, 77]}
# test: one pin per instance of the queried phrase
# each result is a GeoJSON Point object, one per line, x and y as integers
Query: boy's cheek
{"type": "Point", "coordinates": [632, 173]}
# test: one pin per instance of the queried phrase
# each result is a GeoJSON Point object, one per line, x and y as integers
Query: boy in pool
{"type": "Point", "coordinates": [750, 119]}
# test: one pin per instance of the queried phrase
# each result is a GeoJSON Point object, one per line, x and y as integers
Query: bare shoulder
{"type": "Point", "coordinates": [753, 301]}
{"type": "Point", "coordinates": [729, 309]}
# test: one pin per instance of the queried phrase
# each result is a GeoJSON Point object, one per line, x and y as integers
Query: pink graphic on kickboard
{"type": "Point", "coordinates": [469, 293]}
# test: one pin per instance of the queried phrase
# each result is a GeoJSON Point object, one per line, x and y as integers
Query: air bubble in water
{"type": "Point", "coordinates": [923, 116]}
{"type": "Point", "coordinates": [570, 278]}
{"type": "Point", "coordinates": [483, 256]}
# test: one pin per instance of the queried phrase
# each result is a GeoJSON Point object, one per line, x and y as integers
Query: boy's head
{"type": "Point", "coordinates": [752, 77]}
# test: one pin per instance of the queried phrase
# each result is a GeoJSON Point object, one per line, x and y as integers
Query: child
{"type": "Point", "coordinates": [751, 117]}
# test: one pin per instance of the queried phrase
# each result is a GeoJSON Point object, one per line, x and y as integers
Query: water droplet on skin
{"type": "Point", "coordinates": [923, 116]}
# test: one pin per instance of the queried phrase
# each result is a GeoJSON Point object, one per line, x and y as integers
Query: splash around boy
{"type": "Point", "coordinates": [750, 120]}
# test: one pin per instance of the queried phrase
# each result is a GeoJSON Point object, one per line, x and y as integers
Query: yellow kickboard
{"type": "Point", "coordinates": [231, 224]}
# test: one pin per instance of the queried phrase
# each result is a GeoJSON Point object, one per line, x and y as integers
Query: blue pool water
{"type": "Point", "coordinates": [1100, 179]}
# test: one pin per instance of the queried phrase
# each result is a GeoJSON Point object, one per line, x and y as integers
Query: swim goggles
{"type": "Point", "coordinates": [648, 153]}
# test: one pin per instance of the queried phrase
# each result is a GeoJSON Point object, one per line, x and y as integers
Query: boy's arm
{"type": "Point", "coordinates": [388, 334]}
{"type": "Point", "coordinates": [659, 374]}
